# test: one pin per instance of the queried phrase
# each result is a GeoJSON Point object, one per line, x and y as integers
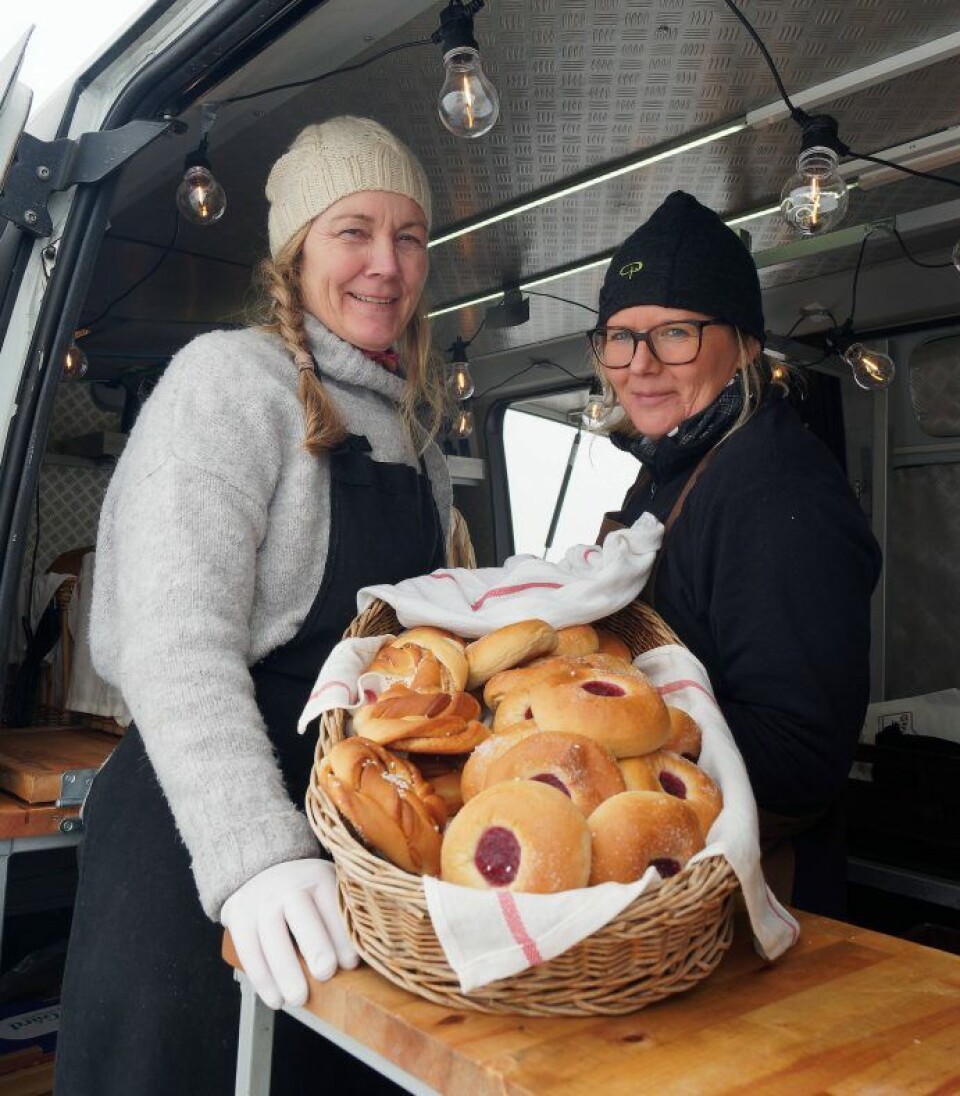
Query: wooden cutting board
{"type": "Point", "coordinates": [34, 759]}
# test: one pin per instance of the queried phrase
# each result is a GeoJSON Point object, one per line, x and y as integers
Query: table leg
{"type": "Point", "coordinates": [6, 847]}
{"type": "Point", "coordinates": [255, 1046]}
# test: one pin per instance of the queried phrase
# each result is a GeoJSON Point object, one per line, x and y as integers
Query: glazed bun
{"type": "Point", "coordinates": [663, 771]}
{"type": "Point", "coordinates": [635, 830]}
{"type": "Point", "coordinates": [439, 723]}
{"type": "Point", "coordinates": [522, 677]}
{"type": "Point", "coordinates": [572, 763]}
{"type": "Point", "coordinates": [387, 802]}
{"type": "Point", "coordinates": [506, 647]}
{"type": "Point", "coordinates": [623, 712]}
{"type": "Point", "coordinates": [577, 639]}
{"type": "Point", "coordinates": [446, 647]}
{"type": "Point", "coordinates": [474, 776]}
{"type": "Point", "coordinates": [609, 644]}
{"type": "Point", "coordinates": [519, 836]}
{"type": "Point", "coordinates": [685, 737]}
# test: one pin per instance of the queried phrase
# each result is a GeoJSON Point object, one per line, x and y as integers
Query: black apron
{"type": "Point", "coordinates": [149, 1006]}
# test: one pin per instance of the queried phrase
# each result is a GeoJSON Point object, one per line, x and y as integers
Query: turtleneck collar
{"type": "Point", "coordinates": [344, 362]}
{"type": "Point", "coordinates": [687, 443]}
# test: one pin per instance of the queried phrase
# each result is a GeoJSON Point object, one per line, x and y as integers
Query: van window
{"type": "Point", "coordinates": [537, 450]}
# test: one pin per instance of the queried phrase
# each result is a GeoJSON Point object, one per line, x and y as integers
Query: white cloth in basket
{"type": "Point", "coordinates": [488, 935]}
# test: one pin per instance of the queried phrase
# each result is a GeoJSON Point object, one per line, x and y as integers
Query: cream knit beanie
{"type": "Point", "coordinates": [327, 162]}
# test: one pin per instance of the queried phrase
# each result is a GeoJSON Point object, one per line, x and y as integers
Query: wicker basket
{"type": "Point", "coordinates": [665, 942]}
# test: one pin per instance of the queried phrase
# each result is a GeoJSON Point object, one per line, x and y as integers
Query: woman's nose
{"type": "Point", "coordinates": [643, 360]}
{"type": "Point", "coordinates": [383, 256]}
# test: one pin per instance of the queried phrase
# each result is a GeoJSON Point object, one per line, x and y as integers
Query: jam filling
{"type": "Point", "coordinates": [528, 714]}
{"type": "Point", "coordinates": [666, 866]}
{"type": "Point", "coordinates": [497, 857]}
{"type": "Point", "coordinates": [553, 781]}
{"type": "Point", "coordinates": [602, 688]}
{"type": "Point", "coordinates": [673, 785]}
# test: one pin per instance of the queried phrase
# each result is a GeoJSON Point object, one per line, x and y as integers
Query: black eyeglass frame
{"type": "Point", "coordinates": [644, 337]}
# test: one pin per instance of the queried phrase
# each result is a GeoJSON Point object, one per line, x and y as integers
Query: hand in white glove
{"type": "Point", "coordinates": [290, 903]}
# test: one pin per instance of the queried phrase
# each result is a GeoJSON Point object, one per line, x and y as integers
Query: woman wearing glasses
{"type": "Point", "coordinates": [767, 563]}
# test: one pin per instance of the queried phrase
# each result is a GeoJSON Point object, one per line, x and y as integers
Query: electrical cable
{"type": "Point", "coordinates": [917, 262]}
{"type": "Point", "coordinates": [901, 167]}
{"type": "Point", "coordinates": [149, 274]}
{"type": "Point", "coordinates": [566, 300]}
{"type": "Point", "coordinates": [795, 113]}
{"type": "Point", "coordinates": [526, 369]}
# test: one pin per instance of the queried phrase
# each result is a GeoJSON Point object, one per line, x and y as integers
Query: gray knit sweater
{"type": "Point", "coordinates": [211, 548]}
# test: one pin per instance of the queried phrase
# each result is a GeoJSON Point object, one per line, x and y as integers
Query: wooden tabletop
{"type": "Point", "coordinates": [19, 819]}
{"type": "Point", "coordinates": [846, 1010]}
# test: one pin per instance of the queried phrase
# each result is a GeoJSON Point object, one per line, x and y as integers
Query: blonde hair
{"type": "Point", "coordinates": [754, 375]}
{"type": "Point", "coordinates": [424, 400]}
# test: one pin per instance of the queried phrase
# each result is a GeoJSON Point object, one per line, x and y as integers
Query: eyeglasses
{"type": "Point", "coordinates": [676, 342]}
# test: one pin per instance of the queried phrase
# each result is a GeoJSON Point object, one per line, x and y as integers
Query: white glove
{"type": "Point", "coordinates": [295, 899]}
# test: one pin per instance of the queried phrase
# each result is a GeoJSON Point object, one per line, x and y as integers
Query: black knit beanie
{"type": "Point", "coordinates": [684, 256]}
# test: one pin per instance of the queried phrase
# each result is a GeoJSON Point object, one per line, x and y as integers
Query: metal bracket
{"type": "Point", "coordinates": [40, 168]}
{"type": "Point", "coordinates": [74, 785]}
{"type": "Point", "coordinates": [71, 825]}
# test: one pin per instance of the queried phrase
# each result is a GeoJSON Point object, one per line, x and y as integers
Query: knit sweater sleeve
{"type": "Point", "coordinates": [790, 567]}
{"type": "Point", "coordinates": [187, 521]}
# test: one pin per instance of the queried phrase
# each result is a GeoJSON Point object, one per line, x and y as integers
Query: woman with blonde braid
{"type": "Point", "coordinates": [273, 472]}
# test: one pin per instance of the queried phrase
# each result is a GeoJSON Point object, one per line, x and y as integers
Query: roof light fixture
{"type": "Point", "coordinates": [468, 102]}
{"type": "Point", "coordinates": [200, 197]}
{"type": "Point", "coordinates": [460, 377]}
{"type": "Point", "coordinates": [595, 411]}
{"type": "Point", "coordinates": [815, 198]}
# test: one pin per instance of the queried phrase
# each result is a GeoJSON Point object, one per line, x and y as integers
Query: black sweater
{"type": "Point", "coordinates": [766, 576]}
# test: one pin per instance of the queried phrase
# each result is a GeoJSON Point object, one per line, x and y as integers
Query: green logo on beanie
{"type": "Point", "coordinates": [630, 269]}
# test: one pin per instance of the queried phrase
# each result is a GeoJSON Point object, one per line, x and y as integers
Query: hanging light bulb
{"type": "Point", "coordinates": [955, 254]}
{"type": "Point", "coordinates": [200, 197]}
{"type": "Point", "coordinates": [75, 363]}
{"type": "Point", "coordinates": [872, 369]}
{"type": "Point", "coordinates": [462, 424]}
{"type": "Point", "coordinates": [461, 379]}
{"type": "Point", "coordinates": [815, 198]}
{"type": "Point", "coordinates": [468, 102]}
{"type": "Point", "coordinates": [595, 411]}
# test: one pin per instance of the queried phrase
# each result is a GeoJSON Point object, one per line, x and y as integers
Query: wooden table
{"type": "Point", "coordinates": [844, 1011]}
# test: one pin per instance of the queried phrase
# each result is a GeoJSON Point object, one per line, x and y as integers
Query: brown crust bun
{"type": "Point", "coordinates": [400, 713]}
{"type": "Point", "coordinates": [685, 737]}
{"type": "Point", "coordinates": [446, 647]}
{"type": "Point", "coordinates": [506, 647]}
{"type": "Point", "coordinates": [610, 644]}
{"type": "Point", "coordinates": [634, 830]}
{"type": "Point", "coordinates": [577, 639]}
{"type": "Point", "coordinates": [572, 763]}
{"type": "Point", "coordinates": [522, 677]}
{"type": "Point", "coordinates": [519, 836]}
{"type": "Point", "coordinates": [413, 666]}
{"type": "Point", "coordinates": [623, 712]}
{"type": "Point", "coordinates": [447, 786]}
{"type": "Point", "coordinates": [474, 777]}
{"type": "Point", "coordinates": [663, 771]}
{"type": "Point", "coordinates": [387, 803]}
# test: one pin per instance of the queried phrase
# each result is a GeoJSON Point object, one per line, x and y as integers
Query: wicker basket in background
{"type": "Point", "coordinates": [665, 942]}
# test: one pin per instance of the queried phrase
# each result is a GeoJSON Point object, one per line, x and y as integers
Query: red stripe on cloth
{"type": "Point", "coordinates": [332, 685]}
{"type": "Point", "coordinates": [441, 574]}
{"type": "Point", "coordinates": [587, 552]}
{"type": "Point", "coordinates": [675, 686]}
{"type": "Point", "coordinates": [506, 591]}
{"type": "Point", "coordinates": [511, 915]}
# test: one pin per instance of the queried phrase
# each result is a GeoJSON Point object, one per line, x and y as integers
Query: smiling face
{"type": "Point", "coordinates": [658, 397]}
{"type": "Point", "coordinates": [364, 266]}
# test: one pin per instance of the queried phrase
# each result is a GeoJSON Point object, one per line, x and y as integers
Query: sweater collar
{"type": "Point", "coordinates": [343, 362]}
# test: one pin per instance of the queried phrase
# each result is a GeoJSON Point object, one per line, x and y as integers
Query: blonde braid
{"type": "Point", "coordinates": [324, 428]}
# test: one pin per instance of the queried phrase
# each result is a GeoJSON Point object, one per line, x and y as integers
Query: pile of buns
{"type": "Point", "coordinates": [532, 759]}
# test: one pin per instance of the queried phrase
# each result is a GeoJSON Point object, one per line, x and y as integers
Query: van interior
{"type": "Point", "coordinates": [605, 108]}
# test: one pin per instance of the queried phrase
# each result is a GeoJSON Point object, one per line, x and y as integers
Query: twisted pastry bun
{"type": "Point", "coordinates": [387, 802]}
{"type": "Point", "coordinates": [446, 647]}
{"type": "Point", "coordinates": [635, 830]}
{"type": "Point", "coordinates": [663, 771]}
{"type": "Point", "coordinates": [519, 836]}
{"type": "Point", "coordinates": [474, 777]}
{"type": "Point", "coordinates": [572, 763]}
{"type": "Point", "coordinates": [622, 711]}
{"type": "Point", "coordinates": [685, 737]}
{"type": "Point", "coordinates": [506, 647]}
{"type": "Point", "coordinates": [441, 723]}
{"type": "Point", "coordinates": [412, 666]}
